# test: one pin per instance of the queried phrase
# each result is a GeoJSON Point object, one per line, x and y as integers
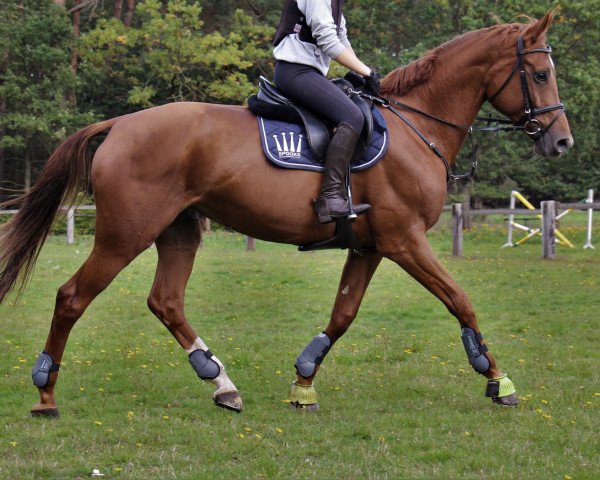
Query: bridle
{"type": "Point", "coordinates": [528, 122]}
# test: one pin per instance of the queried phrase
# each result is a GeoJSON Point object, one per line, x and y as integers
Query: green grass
{"type": "Point", "coordinates": [398, 399]}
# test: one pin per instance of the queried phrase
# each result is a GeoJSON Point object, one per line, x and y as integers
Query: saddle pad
{"type": "Point", "coordinates": [286, 146]}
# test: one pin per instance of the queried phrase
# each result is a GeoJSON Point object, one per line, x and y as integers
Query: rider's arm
{"type": "Point", "coordinates": [349, 60]}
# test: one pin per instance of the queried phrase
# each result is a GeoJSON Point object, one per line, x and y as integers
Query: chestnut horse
{"type": "Point", "coordinates": [159, 169]}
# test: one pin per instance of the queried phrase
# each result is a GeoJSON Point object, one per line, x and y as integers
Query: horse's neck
{"type": "Point", "coordinates": [456, 90]}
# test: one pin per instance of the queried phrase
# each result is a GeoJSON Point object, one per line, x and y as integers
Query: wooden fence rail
{"type": "Point", "coordinates": [548, 211]}
{"type": "Point", "coordinates": [250, 245]}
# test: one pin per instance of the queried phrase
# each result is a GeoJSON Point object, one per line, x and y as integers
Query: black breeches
{"type": "Point", "coordinates": [310, 89]}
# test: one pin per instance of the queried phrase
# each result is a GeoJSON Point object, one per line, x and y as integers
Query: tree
{"type": "Point", "coordinates": [168, 57]}
{"type": "Point", "coordinates": [35, 77]}
{"type": "Point", "coordinates": [118, 11]}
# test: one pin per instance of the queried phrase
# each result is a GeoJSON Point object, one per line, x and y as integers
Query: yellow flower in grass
{"type": "Point", "coordinates": [14, 444]}
{"type": "Point", "coordinates": [98, 422]}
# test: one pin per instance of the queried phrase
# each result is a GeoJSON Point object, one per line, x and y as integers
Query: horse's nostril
{"type": "Point", "coordinates": [564, 144]}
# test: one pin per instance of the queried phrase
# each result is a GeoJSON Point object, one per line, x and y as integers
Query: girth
{"type": "Point", "coordinates": [270, 102]}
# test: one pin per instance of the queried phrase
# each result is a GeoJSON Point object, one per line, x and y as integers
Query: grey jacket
{"type": "Point", "coordinates": [329, 44]}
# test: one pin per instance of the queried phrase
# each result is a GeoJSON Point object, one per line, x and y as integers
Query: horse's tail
{"type": "Point", "coordinates": [21, 238]}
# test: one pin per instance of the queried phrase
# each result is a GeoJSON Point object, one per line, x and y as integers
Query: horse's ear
{"type": "Point", "coordinates": [539, 28]}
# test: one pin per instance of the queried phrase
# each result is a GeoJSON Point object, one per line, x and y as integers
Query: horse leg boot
{"type": "Point", "coordinates": [357, 274]}
{"type": "Point", "coordinates": [332, 202]}
{"type": "Point", "coordinates": [71, 301]}
{"type": "Point", "coordinates": [414, 254]}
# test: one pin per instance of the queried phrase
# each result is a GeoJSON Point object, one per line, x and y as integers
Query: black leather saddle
{"type": "Point", "coordinates": [270, 102]}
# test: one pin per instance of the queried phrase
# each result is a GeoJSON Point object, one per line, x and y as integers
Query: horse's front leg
{"type": "Point", "coordinates": [357, 274]}
{"type": "Point", "coordinates": [414, 254]}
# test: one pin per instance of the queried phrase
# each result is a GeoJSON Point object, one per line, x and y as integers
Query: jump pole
{"type": "Point", "coordinates": [590, 200]}
{"type": "Point", "coordinates": [511, 218]}
{"type": "Point", "coordinates": [560, 238]}
{"type": "Point", "coordinates": [70, 226]}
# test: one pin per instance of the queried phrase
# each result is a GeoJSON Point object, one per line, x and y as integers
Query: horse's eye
{"type": "Point", "coordinates": [540, 77]}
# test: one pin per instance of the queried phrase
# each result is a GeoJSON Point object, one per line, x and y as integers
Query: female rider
{"type": "Point", "coordinates": [310, 34]}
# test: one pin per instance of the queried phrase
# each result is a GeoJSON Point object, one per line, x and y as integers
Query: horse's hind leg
{"type": "Point", "coordinates": [177, 246]}
{"type": "Point", "coordinates": [101, 267]}
{"type": "Point", "coordinates": [357, 274]}
{"type": "Point", "coordinates": [414, 254]}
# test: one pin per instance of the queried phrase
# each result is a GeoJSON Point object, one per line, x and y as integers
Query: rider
{"type": "Point", "coordinates": [309, 35]}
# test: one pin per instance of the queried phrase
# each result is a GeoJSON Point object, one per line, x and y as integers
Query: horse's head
{"type": "Point", "coordinates": [522, 85]}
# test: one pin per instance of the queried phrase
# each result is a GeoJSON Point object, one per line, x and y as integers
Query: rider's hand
{"type": "Point", "coordinates": [372, 84]}
{"type": "Point", "coordinates": [356, 79]}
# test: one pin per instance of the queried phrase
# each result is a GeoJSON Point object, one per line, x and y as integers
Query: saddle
{"type": "Point", "coordinates": [270, 102]}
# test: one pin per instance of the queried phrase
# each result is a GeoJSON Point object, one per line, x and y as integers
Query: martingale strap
{"type": "Point", "coordinates": [388, 102]}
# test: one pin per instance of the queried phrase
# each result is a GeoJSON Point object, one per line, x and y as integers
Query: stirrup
{"type": "Point", "coordinates": [352, 212]}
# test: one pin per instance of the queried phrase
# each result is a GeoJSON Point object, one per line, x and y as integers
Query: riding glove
{"type": "Point", "coordinates": [372, 84]}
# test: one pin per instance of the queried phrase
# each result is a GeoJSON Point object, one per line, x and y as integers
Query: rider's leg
{"type": "Point", "coordinates": [310, 88]}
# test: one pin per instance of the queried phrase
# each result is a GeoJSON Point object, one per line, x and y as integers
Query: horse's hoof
{"type": "Point", "coordinates": [230, 401]}
{"type": "Point", "coordinates": [313, 407]}
{"type": "Point", "coordinates": [45, 412]}
{"type": "Point", "coordinates": [508, 401]}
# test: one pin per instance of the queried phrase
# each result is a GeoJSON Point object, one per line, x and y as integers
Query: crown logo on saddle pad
{"type": "Point", "coordinates": [287, 150]}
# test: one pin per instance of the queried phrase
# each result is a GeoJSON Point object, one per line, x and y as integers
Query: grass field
{"type": "Point", "coordinates": [398, 398]}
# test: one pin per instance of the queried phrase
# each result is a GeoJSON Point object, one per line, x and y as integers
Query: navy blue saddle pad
{"type": "Point", "coordinates": [285, 145]}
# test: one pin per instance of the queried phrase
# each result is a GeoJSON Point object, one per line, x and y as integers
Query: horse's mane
{"type": "Point", "coordinates": [403, 79]}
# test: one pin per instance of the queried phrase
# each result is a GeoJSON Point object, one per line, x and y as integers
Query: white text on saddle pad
{"type": "Point", "coordinates": [291, 150]}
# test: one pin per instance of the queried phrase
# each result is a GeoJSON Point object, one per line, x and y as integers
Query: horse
{"type": "Point", "coordinates": [159, 169]}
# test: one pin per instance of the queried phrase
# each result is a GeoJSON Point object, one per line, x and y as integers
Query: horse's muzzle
{"type": "Point", "coordinates": [553, 144]}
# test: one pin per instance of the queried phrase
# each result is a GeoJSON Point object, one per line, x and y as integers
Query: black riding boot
{"type": "Point", "coordinates": [332, 202]}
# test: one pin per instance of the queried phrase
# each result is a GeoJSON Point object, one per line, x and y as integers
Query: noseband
{"type": "Point", "coordinates": [528, 122]}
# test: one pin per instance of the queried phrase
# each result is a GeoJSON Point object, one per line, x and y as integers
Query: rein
{"type": "Point", "coordinates": [528, 122]}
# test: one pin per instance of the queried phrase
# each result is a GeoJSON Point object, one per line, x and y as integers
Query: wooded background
{"type": "Point", "coordinates": [67, 63]}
